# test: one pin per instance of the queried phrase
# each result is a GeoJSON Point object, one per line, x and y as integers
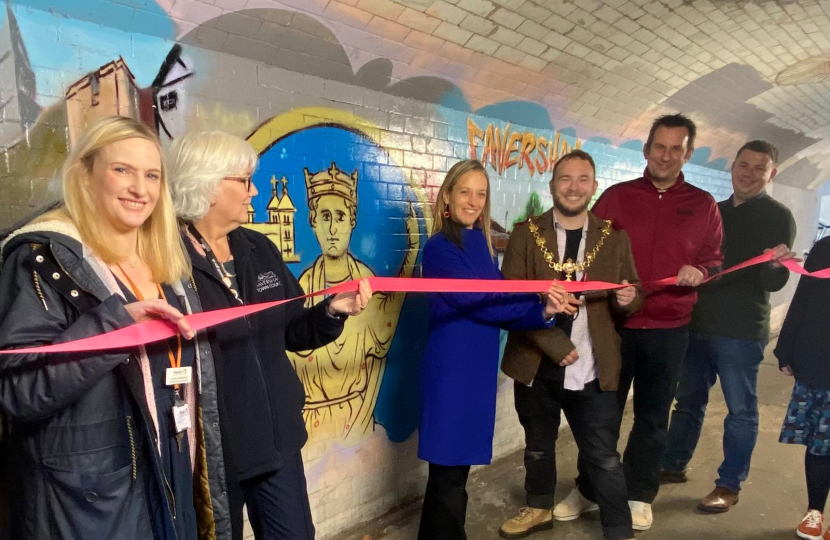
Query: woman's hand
{"type": "Point", "coordinates": [558, 300]}
{"type": "Point", "coordinates": [351, 303]}
{"type": "Point", "coordinates": [555, 300]}
{"type": "Point", "coordinates": [626, 295]}
{"type": "Point", "coordinates": [787, 370]}
{"type": "Point", "coordinates": [159, 309]}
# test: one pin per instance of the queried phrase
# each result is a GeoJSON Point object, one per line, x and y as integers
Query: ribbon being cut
{"type": "Point", "coordinates": [156, 330]}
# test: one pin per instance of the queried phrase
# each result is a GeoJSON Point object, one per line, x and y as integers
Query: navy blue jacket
{"type": "Point", "coordinates": [260, 396]}
{"type": "Point", "coordinates": [82, 447]}
{"type": "Point", "coordinates": [804, 341]}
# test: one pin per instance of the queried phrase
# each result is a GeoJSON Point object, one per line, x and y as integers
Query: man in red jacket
{"type": "Point", "coordinates": [675, 230]}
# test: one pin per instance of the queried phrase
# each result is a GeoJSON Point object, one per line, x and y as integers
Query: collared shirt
{"type": "Point", "coordinates": [584, 370]}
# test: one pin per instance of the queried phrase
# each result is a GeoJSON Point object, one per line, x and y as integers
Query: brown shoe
{"type": "Point", "coordinates": [719, 501]}
{"type": "Point", "coordinates": [529, 521]}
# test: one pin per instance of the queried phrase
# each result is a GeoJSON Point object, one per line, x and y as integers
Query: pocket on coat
{"type": "Point", "coordinates": [93, 494]}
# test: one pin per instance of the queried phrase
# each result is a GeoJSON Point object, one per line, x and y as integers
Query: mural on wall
{"type": "Point", "coordinates": [18, 105]}
{"type": "Point", "coordinates": [303, 44]}
{"type": "Point", "coordinates": [353, 192]}
{"type": "Point", "coordinates": [169, 95]}
{"type": "Point", "coordinates": [337, 202]}
{"type": "Point", "coordinates": [356, 117]}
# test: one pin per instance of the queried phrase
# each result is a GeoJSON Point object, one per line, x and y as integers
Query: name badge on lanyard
{"type": "Point", "coordinates": [178, 375]}
{"type": "Point", "coordinates": [181, 417]}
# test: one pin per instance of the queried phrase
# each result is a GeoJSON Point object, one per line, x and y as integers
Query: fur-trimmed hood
{"type": "Point", "coordinates": [43, 232]}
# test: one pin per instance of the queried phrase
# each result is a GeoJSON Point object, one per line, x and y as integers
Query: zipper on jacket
{"type": "Point", "coordinates": [654, 238]}
{"type": "Point", "coordinates": [170, 494]}
{"type": "Point", "coordinates": [261, 375]}
{"type": "Point", "coordinates": [132, 446]}
{"type": "Point", "coordinates": [250, 333]}
{"type": "Point", "coordinates": [38, 290]}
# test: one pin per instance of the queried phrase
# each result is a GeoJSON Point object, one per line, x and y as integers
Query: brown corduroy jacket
{"type": "Point", "coordinates": [614, 263]}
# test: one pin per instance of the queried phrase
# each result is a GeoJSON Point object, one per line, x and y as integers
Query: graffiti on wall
{"type": "Point", "coordinates": [503, 148]}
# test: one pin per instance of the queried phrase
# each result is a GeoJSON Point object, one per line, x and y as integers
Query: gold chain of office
{"type": "Point", "coordinates": [569, 266]}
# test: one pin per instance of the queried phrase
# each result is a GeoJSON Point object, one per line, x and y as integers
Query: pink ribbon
{"type": "Point", "coordinates": [156, 330]}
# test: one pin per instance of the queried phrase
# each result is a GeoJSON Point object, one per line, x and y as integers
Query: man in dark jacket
{"type": "Point", "coordinates": [575, 366]}
{"type": "Point", "coordinates": [675, 230]}
{"type": "Point", "coordinates": [730, 328]}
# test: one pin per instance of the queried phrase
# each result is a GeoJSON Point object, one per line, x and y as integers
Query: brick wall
{"type": "Point", "coordinates": [377, 88]}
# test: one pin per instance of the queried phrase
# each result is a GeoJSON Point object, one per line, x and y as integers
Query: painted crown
{"type": "Point", "coordinates": [331, 181]}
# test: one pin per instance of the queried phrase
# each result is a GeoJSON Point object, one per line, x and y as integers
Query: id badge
{"type": "Point", "coordinates": [179, 375]}
{"type": "Point", "coordinates": [181, 416]}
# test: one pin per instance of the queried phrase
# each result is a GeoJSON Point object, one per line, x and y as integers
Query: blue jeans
{"type": "Point", "coordinates": [736, 362]}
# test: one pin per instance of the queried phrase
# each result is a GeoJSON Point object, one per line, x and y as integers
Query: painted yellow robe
{"type": "Point", "coordinates": [342, 379]}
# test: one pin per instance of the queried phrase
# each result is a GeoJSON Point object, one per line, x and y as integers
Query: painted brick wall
{"type": "Point", "coordinates": [400, 147]}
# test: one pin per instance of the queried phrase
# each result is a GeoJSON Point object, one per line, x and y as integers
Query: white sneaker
{"type": "Point", "coordinates": [573, 506]}
{"type": "Point", "coordinates": [641, 517]}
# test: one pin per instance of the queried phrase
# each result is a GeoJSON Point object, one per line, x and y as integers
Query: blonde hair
{"type": "Point", "coordinates": [447, 225]}
{"type": "Point", "coordinates": [159, 243]}
{"type": "Point", "coordinates": [198, 162]}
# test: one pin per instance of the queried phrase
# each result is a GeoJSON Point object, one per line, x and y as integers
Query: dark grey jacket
{"type": "Point", "coordinates": [82, 448]}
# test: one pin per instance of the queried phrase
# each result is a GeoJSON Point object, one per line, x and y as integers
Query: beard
{"type": "Point", "coordinates": [569, 212]}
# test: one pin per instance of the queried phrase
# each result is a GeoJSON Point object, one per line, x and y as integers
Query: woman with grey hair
{"type": "Point", "coordinates": [260, 396]}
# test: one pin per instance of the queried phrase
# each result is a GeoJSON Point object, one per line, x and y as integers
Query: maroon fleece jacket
{"type": "Point", "coordinates": [681, 226]}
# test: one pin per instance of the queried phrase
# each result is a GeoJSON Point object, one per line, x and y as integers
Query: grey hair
{"type": "Point", "coordinates": [198, 162]}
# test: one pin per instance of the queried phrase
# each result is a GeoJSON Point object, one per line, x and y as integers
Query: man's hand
{"type": "Point", "coordinates": [689, 276]}
{"type": "Point", "coordinates": [572, 305]}
{"type": "Point", "coordinates": [626, 295]}
{"type": "Point", "coordinates": [787, 370]}
{"type": "Point", "coordinates": [781, 253]}
{"type": "Point", "coordinates": [572, 357]}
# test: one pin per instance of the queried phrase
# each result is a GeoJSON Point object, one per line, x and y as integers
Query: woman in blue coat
{"type": "Point", "coordinates": [459, 370]}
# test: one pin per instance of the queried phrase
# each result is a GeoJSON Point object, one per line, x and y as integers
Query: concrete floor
{"type": "Point", "coordinates": [772, 502]}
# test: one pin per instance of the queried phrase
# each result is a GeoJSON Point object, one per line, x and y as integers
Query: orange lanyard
{"type": "Point", "coordinates": [175, 361]}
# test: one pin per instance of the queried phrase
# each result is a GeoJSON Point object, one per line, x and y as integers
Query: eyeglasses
{"type": "Point", "coordinates": [247, 180]}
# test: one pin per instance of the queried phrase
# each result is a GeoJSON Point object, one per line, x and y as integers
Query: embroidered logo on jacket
{"type": "Point", "coordinates": [268, 280]}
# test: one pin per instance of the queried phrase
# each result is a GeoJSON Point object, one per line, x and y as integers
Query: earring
{"type": "Point", "coordinates": [447, 211]}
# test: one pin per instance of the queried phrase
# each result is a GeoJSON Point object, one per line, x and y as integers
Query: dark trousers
{"type": "Point", "coordinates": [651, 360]}
{"type": "Point", "coordinates": [278, 506]}
{"type": "Point", "coordinates": [594, 418]}
{"type": "Point", "coordinates": [445, 503]}
{"type": "Point", "coordinates": [817, 469]}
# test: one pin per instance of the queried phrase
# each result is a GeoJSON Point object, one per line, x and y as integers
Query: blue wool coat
{"type": "Point", "coordinates": [459, 370]}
